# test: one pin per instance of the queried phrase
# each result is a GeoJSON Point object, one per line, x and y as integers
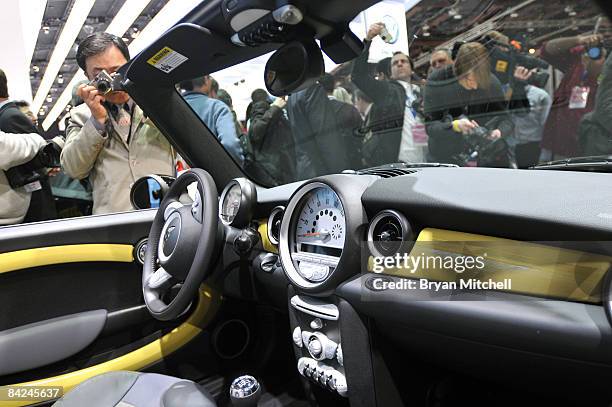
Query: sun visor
{"type": "Point", "coordinates": [184, 52]}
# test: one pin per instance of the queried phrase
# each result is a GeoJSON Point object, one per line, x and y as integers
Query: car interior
{"type": "Point", "coordinates": [234, 293]}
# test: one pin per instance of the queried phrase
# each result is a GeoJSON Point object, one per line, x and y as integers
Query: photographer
{"type": "Point", "coordinates": [32, 178]}
{"type": "Point", "coordinates": [575, 96]}
{"type": "Point", "coordinates": [388, 133]}
{"type": "Point", "coordinates": [462, 99]}
{"type": "Point", "coordinates": [108, 138]}
{"type": "Point", "coordinates": [15, 149]}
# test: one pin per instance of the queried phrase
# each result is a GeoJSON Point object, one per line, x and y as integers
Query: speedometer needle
{"type": "Point", "coordinates": [322, 233]}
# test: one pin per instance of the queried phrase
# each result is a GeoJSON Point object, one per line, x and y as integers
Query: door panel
{"type": "Point", "coordinates": [59, 270]}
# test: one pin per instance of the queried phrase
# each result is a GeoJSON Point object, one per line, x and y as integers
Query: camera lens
{"type": "Point", "coordinates": [594, 52]}
{"type": "Point", "coordinates": [103, 87]}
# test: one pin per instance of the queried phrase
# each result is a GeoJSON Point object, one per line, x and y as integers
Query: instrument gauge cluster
{"type": "Point", "coordinates": [313, 235]}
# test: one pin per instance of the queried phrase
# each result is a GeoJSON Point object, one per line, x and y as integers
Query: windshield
{"type": "Point", "coordinates": [505, 84]}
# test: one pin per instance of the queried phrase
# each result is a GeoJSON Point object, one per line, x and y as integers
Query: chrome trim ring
{"type": "Point", "coordinates": [406, 229]}
{"type": "Point", "coordinates": [275, 212]}
{"type": "Point", "coordinates": [287, 241]}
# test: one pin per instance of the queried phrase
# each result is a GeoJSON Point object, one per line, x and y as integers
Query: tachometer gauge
{"type": "Point", "coordinates": [237, 201]}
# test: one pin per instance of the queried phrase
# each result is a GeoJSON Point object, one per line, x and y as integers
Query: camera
{"type": "Point", "coordinates": [107, 83]}
{"type": "Point", "coordinates": [505, 58]}
{"type": "Point", "coordinates": [47, 157]}
{"type": "Point", "coordinates": [539, 79]}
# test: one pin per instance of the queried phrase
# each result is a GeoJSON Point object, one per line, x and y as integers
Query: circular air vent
{"type": "Point", "coordinates": [274, 224]}
{"type": "Point", "coordinates": [389, 233]}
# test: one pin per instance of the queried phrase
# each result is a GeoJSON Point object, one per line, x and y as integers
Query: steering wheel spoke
{"type": "Point", "coordinates": [161, 280]}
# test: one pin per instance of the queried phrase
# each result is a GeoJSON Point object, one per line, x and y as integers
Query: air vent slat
{"type": "Point", "coordinates": [387, 172]}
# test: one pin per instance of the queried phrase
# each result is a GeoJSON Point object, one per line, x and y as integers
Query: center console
{"type": "Point", "coordinates": [316, 334]}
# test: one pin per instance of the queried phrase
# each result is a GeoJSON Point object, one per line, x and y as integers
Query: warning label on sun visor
{"type": "Point", "coordinates": [167, 60]}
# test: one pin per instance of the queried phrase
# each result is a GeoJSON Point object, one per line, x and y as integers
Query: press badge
{"type": "Point", "coordinates": [32, 186]}
{"type": "Point", "coordinates": [579, 97]}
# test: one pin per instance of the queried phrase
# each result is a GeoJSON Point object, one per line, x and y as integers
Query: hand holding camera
{"type": "Point", "coordinates": [374, 30]}
{"type": "Point", "coordinates": [465, 125]}
{"type": "Point", "coordinates": [93, 99]}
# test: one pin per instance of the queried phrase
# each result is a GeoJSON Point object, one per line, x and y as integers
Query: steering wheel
{"type": "Point", "coordinates": [181, 245]}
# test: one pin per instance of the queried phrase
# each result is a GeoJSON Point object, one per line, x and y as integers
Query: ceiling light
{"type": "Point", "coordinates": [452, 12]}
{"type": "Point", "coordinates": [531, 29]}
{"type": "Point", "coordinates": [78, 14]}
{"type": "Point", "coordinates": [134, 34]}
{"type": "Point", "coordinates": [60, 79]}
{"type": "Point", "coordinates": [169, 15]}
{"type": "Point", "coordinates": [126, 16]}
{"type": "Point", "coordinates": [457, 16]}
{"type": "Point", "coordinates": [532, 51]}
{"type": "Point", "coordinates": [45, 29]}
{"type": "Point", "coordinates": [49, 99]}
{"type": "Point", "coordinates": [571, 13]}
{"type": "Point", "coordinates": [35, 68]}
{"type": "Point", "coordinates": [426, 34]}
{"type": "Point", "coordinates": [425, 27]}
{"type": "Point", "coordinates": [514, 15]}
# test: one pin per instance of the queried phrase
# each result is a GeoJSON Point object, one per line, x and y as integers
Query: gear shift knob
{"type": "Point", "coordinates": [245, 391]}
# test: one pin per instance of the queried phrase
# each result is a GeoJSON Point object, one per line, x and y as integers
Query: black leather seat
{"type": "Point", "coordinates": [134, 389]}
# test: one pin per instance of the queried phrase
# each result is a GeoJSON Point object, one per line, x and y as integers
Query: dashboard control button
{"type": "Point", "coordinates": [340, 382]}
{"type": "Point", "coordinates": [315, 348]}
{"type": "Point", "coordinates": [308, 371]}
{"type": "Point", "coordinates": [331, 383]}
{"type": "Point", "coordinates": [297, 336]}
{"type": "Point", "coordinates": [316, 324]}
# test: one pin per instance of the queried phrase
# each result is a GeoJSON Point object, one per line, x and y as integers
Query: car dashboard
{"type": "Point", "coordinates": [540, 299]}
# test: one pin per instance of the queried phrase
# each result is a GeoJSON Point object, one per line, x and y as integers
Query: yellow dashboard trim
{"type": "Point", "coordinates": [44, 256]}
{"type": "Point", "coordinates": [533, 268]}
{"type": "Point", "coordinates": [138, 359]}
{"type": "Point", "coordinates": [265, 240]}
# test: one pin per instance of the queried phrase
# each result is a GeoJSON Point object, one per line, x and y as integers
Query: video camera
{"type": "Point", "coordinates": [505, 58]}
{"type": "Point", "coordinates": [106, 83]}
{"type": "Point", "coordinates": [47, 157]}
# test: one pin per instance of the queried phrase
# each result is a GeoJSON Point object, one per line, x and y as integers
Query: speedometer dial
{"type": "Point", "coordinates": [321, 222]}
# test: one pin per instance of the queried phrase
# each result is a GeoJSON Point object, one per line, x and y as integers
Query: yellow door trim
{"type": "Point", "coordinates": [139, 359]}
{"type": "Point", "coordinates": [44, 256]}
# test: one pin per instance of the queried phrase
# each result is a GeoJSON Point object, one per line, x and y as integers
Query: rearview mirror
{"type": "Point", "coordinates": [293, 67]}
{"type": "Point", "coordinates": [148, 192]}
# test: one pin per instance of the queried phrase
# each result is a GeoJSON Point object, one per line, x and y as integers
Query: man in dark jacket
{"type": "Point", "coordinates": [272, 143]}
{"type": "Point", "coordinates": [319, 147]}
{"type": "Point", "coordinates": [382, 133]}
{"type": "Point", "coordinates": [595, 130]}
{"type": "Point", "coordinates": [348, 122]}
{"type": "Point", "coordinates": [12, 120]}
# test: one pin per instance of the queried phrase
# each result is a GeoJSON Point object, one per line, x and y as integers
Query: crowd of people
{"type": "Point", "coordinates": [471, 110]}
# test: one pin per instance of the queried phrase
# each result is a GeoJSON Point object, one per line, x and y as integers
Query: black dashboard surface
{"type": "Point", "coordinates": [516, 204]}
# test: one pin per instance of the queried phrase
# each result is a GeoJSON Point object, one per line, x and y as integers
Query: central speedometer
{"type": "Point", "coordinates": [318, 233]}
{"type": "Point", "coordinates": [321, 226]}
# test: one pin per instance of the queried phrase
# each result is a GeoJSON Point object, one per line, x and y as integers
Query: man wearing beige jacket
{"type": "Point", "coordinates": [15, 149]}
{"type": "Point", "coordinates": [108, 139]}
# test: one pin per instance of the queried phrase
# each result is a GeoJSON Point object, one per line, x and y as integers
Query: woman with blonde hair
{"type": "Point", "coordinates": [460, 98]}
